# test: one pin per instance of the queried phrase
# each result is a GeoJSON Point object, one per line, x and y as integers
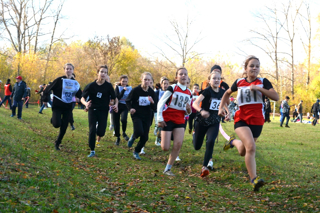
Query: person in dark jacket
{"type": "Point", "coordinates": [45, 98]}
{"type": "Point", "coordinates": [28, 91]}
{"type": "Point", "coordinates": [64, 89]}
{"type": "Point", "coordinates": [267, 110]}
{"type": "Point", "coordinates": [315, 110]}
{"type": "Point", "coordinates": [18, 95]}
{"type": "Point", "coordinates": [7, 93]}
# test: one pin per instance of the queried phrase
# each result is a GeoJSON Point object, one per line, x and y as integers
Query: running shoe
{"type": "Point", "coordinates": [287, 126]}
{"type": "Point", "coordinates": [117, 141]}
{"type": "Point", "coordinates": [228, 145]}
{"type": "Point", "coordinates": [204, 171]}
{"type": "Point", "coordinates": [125, 136]}
{"type": "Point", "coordinates": [190, 131]}
{"type": "Point", "coordinates": [257, 184]}
{"type": "Point", "coordinates": [178, 159]}
{"type": "Point", "coordinates": [92, 154]}
{"type": "Point", "coordinates": [142, 151]}
{"type": "Point", "coordinates": [168, 172]}
{"type": "Point", "coordinates": [72, 127]}
{"type": "Point", "coordinates": [56, 146]}
{"type": "Point", "coordinates": [210, 165]}
{"type": "Point", "coordinates": [40, 113]}
{"type": "Point", "coordinates": [131, 141]}
{"type": "Point", "coordinates": [12, 116]}
{"type": "Point", "coordinates": [111, 127]}
{"type": "Point", "coordinates": [157, 143]}
{"type": "Point", "coordinates": [136, 156]}
{"type": "Point", "coordinates": [98, 144]}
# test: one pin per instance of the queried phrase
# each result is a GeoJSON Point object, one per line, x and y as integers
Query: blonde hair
{"type": "Point", "coordinates": [163, 78]}
{"type": "Point", "coordinates": [212, 73]}
{"type": "Point", "coordinates": [146, 73]}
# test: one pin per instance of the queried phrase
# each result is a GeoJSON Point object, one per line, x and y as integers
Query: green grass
{"type": "Point", "coordinates": [36, 178]}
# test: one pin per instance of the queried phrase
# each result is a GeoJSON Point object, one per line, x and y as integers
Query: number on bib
{"type": "Point", "coordinates": [247, 96]}
{"type": "Point", "coordinates": [144, 101]}
{"type": "Point", "coordinates": [179, 101]}
{"type": "Point", "coordinates": [215, 104]}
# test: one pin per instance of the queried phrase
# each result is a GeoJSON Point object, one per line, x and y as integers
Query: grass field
{"type": "Point", "coordinates": [36, 178]}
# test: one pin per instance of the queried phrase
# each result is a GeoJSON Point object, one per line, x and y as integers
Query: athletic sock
{"type": "Point", "coordinates": [168, 167]}
{"type": "Point", "coordinates": [93, 151]}
{"type": "Point", "coordinates": [253, 179]}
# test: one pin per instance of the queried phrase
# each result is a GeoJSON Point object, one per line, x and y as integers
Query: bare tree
{"type": "Point", "coordinates": [22, 22]}
{"type": "Point", "coordinates": [181, 44]}
{"type": "Point", "coordinates": [267, 39]}
{"type": "Point", "coordinates": [104, 50]}
{"type": "Point", "coordinates": [291, 13]}
{"type": "Point", "coordinates": [308, 33]}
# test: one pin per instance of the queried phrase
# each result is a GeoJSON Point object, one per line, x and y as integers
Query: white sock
{"type": "Point", "coordinates": [168, 167]}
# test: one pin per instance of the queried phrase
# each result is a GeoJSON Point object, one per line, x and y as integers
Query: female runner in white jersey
{"type": "Point", "coordinates": [249, 119]}
{"type": "Point", "coordinates": [64, 88]}
{"type": "Point", "coordinates": [171, 120]}
{"type": "Point", "coordinates": [207, 120]}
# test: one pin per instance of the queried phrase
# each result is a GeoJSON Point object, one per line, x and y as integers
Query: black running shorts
{"type": "Point", "coordinates": [255, 129]}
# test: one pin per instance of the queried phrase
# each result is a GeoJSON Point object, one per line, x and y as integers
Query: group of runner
{"type": "Point", "coordinates": [170, 105]}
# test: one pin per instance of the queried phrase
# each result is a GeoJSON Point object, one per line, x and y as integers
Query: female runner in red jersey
{"type": "Point", "coordinates": [249, 119]}
{"type": "Point", "coordinates": [171, 120]}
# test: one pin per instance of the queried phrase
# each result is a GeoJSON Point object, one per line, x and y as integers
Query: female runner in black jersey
{"type": "Point", "coordinates": [100, 93]}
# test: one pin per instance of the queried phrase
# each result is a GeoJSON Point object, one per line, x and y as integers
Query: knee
{"type": "Point", "coordinates": [123, 121]}
{"type": "Point", "coordinates": [250, 149]}
{"type": "Point", "coordinates": [56, 125]}
{"type": "Point", "coordinates": [177, 145]}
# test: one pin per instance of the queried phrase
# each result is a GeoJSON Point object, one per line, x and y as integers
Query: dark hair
{"type": "Point", "coordinates": [102, 67]}
{"type": "Point", "coordinates": [8, 80]}
{"type": "Point", "coordinates": [122, 77]}
{"type": "Point", "coordinates": [196, 85]}
{"type": "Point", "coordinates": [180, 68]}
{"type": "Point", "coordinates": [216, 66]}
{"type": "Point", "coordinates": [249, 58]}
{"type": "Point", "coordinates": [158, 86]}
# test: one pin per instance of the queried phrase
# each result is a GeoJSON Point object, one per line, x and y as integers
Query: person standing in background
{"type": "Point", "coordinates": [7, 93]}
{"type": "Point", "coordinates": [300, 112]}
{"type": "Point", "coordinates": [18, 95]}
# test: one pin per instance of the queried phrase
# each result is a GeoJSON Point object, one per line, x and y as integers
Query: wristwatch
{"type": "Point", "coordinates": [200, 110]}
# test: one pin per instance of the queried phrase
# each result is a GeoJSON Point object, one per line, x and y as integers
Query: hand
{"type": "Point", "coordinates": [227, 118]}
{"type": "Point", "coordinates": [77, 100]}
{"type": "Point", "coordinates": [132, 111]}
{"type": "Point", "coordinates": [150, 99]}
{"type": "Point", "coordinates": [222, 113]}
{"type": "Point", "coordinates": [254, 87]}
{"type": "Point", "coordinates": [115, 108]}
{"type": "Point", "coordinates": [88, 105]}
{"type": "Point", "coordinates": [205, 114]}
{"type": "Point", "coordinates": [162, 124]}
{"type": "Point", "coordinates": [188, 108]}
{"type": "Point", "coordinates": [125, 88]}
{"type": "Point", "coordinates": [111, 102]}
{"type": "Point", "coordinates": [22, 99]}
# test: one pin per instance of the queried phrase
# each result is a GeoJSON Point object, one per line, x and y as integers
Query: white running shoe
{"type": "Point", "coordinates": [142, 151]}
{"type": "Point", "coordinates": [157, 143]}
{"type": "Point", "coordinates": [111, 127]}
{"type": "Point", "coordinates": [210, 165]}
{"type": "Point", "coordinates": [169, 173]}
{"type": "Point", "coordinates": [178, 159]}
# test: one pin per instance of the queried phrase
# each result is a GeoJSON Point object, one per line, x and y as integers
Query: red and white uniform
{"type": "Point", "coordinates": [7, 91]}
{"type": "Point", "coordinates": [250, 102]}
{"type": "Point", "coordinates": [177, 96]}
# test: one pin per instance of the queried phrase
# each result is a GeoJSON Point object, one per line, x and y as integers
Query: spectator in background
{"type": "Point", "coordinates": [300, 112]}
{"type": "Point", "coordinates": [28, 90]}
{"type": "Point", "coordinates": [285, 111]}
{"type": "Point", "coordinates": [18, 95]}
{"type": "Point", "coordinates": [315, 110]}
{"type": "Point", "coordinates": [267, 110]}
{"type": "Point", "coordinates": [7, 93]}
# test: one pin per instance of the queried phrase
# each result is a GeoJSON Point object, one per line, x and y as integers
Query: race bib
{"type": "Point", "coordinates": [247, 96]}
{"type": "Point", "coordinates": [215, 104]}
{"type": "Point", "coordinates": [144, 101]}
{"type": "Point", "coordinates": [69, 90]}
{"type": "Point", "coordinates": [179, 101]}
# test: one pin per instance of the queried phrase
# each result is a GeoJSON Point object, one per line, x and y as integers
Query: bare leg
{"type": "Point", "coordinates": [178, 135]}
{"type": "Point", "coordinates": [248, 142]}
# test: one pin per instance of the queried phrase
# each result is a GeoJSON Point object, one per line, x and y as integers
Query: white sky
{"type": "Point", "coordinates": [223, 24]}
